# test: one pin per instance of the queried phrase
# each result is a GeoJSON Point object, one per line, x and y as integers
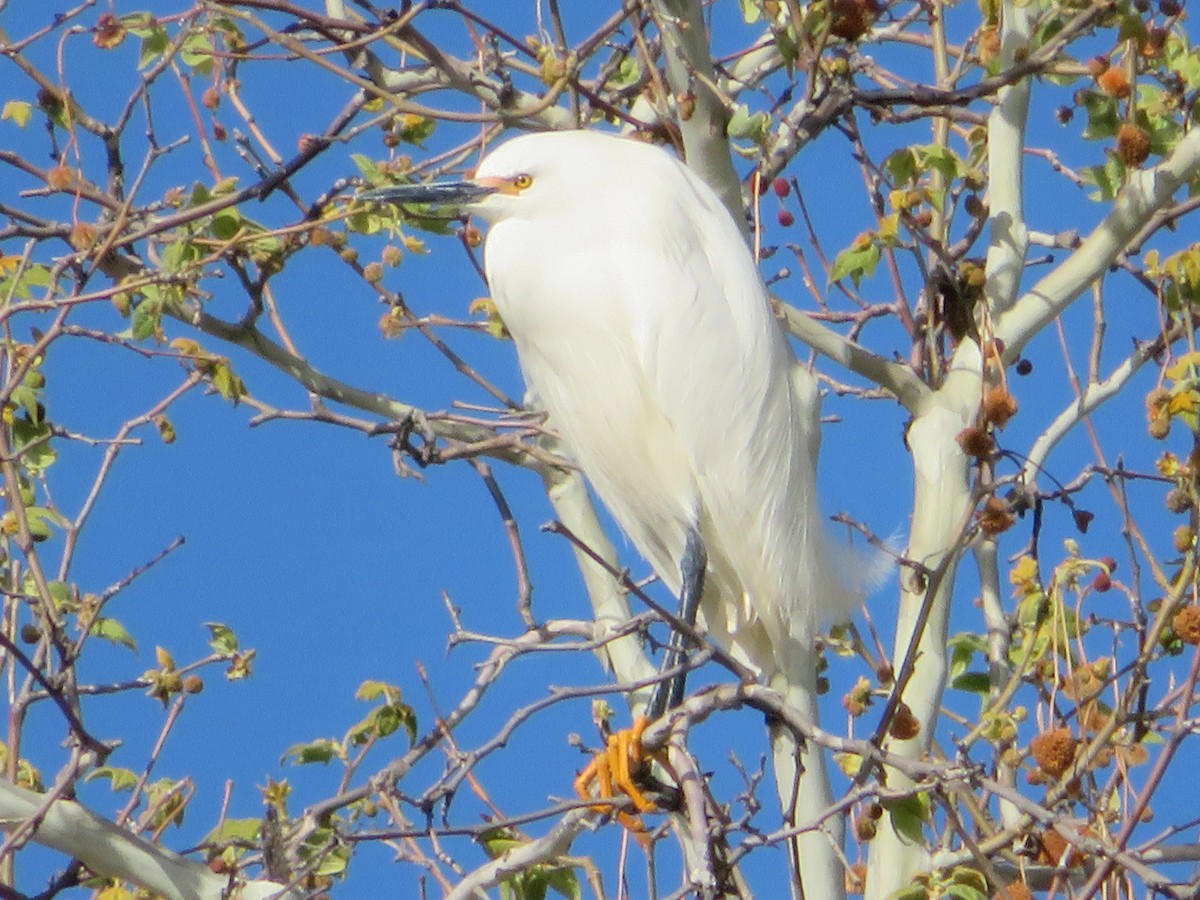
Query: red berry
{"type": "Point", "coordinates": [1102, 582]}
{"type": "Point", "coordinates": [782, 188]}
{"type": "Point", "coordinates": [786, 219]}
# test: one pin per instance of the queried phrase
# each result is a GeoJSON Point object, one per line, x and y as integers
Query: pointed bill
{"type": "Point", "coordinates": [442, 193]}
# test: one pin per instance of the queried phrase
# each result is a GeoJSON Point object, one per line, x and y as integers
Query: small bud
{"type": "Point", "coordinates": [786, 219]}
{"type": "Point", "coordinates": [30, 633]}
{"type": "Point", "coordinates": [1178, 501]}
{"type": "Point", "coordinates": [989, 44]}
{"type": "Point", "coordinates": [166, 429]}
{"type": "Point", "coordinates": [1102, 583]}
{"type": "Point", "coordinates": [1184, 538]}
{"type": "Point", "coordinates": [211, 98]}
{"type": "Point", "coordinates": [864, 829]}
{"type": "Point", "coordinates": [687, 106]}
{"type": "Point", "coordinates": [905, 725]}
{"type": "Point", "coordinates": [193, 684]}
{"type": "Point", "coordinates": [109, 32]}
{"type": "Point", "coordinates": [781, 187]}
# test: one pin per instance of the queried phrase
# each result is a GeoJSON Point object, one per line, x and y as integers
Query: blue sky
{"type": "Point", "coordinates": [301, 538]}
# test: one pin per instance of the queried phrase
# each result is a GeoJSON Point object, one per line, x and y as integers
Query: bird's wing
{"type": "Point", "coordinates": [720, 370]}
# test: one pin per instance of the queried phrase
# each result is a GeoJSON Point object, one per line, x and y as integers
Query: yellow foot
{"type": "Point", "coordinates": [614, 773]}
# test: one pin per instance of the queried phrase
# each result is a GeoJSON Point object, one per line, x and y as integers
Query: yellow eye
{"type": "Point", "coordinates": [520, 182]}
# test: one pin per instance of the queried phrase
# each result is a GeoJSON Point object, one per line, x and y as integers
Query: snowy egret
{"type": "Point", "coordinates": [643, 326]}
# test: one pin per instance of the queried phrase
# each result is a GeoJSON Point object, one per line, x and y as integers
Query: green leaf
{"type": "Point", "coordinates": [155, 42]}
{"type": "Point", "coordinates": [857, 262]}
{"type": "Point", "coordinates": [120, 779]}
{"type": "Point", "coordinates": [42, 522]}
{"type": "Point", "coordinates": [222, 639]}
{"type": "Point", "coordinates": [227, 382]}
{"type": "Point", "coordinates": [973, 682]}
{"type": "Point", "coordinates": [321, 750]}
{"type": "Point", "coordinates": [373, 690]}
{"type": "Point", "coordinates": [1108, 178]}
{"type": "Point", "coordinates": [902, 165]}
{"type": "Point", "coordinates": [564, 881]}
{"type": "Point", "coordinates": [1103, 116]}
{"type": "Point", "coordinates": [747, 126]}
{"type": "Point", "coordinates": [32, 444]}
{"type": "Point", "coordinates": [114, 631]}
{"type": "Point", "coordinates": [368, 168]}
{"type": "Point", "coordinates": [335, 862]}
{"type": "Point", "coordinates": [751, 10]}
{"type": "Point", "coordinates": [147, 318]}
{"type": "Point", "coordinates": [963, 648]}
{"type": "Point", "coordinates": [943, 159]}
{"type": "Point", "coordinates": [908, 815]}
{"type": "Point", "coordinates": [239, 830]}
{"type": "Point", "coordinates": [415, 129]}
{"type": "Point", "coordinates": [197, 53]}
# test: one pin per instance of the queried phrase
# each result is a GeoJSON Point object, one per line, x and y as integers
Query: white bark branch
{"type": "Point", "coordinates": [520, 859]}
{"type": "Point", "coordinates": [1079, 409]}
{"type": "Point", "coordinates": [112, 852]}
{"type": "Point", "coordinates": [1006, 168]}
{"type": "Point", "coordinates": [687, 59]}
{"type": "Point", "coordinates": [1145, 194]}
{"type": "Point", "coordinates": [941, 506]}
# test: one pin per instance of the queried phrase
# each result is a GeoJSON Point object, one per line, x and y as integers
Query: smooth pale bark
{"type": "Point", "coordinates": [941, 505]}
{"type": "Point", "coordinates": [73, 829]}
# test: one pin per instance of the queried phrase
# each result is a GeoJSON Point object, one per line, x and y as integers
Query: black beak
{"type": "Point", "coordinates": [442, 193]}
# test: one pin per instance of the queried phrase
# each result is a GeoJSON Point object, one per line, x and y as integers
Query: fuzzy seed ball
{"type": "Point", "coordinates": [1114, 81]}
{"type": "Point", "coordinates": [999, 406]}
{"type": "Point", "coordinates": [1187, 624]}
{"type": "Point", "coordinates": [1133, 145]}
{"type": "Point", "coordinates": [1054, 750]}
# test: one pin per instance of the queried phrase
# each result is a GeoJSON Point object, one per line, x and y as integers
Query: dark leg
{"type": "Point", "coordinates": [670, 693]}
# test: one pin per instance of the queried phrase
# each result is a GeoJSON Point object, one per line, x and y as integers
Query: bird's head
{"type": "Point", "coordinates": [508, 181]}
{"type": "Point", "coordinates": [528, 176]}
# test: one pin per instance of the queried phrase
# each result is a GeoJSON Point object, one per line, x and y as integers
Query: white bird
{"type": "Point", "coordinates": [643, 326]}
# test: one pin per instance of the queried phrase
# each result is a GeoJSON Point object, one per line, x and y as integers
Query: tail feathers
{"type": "Point", "coordinates": [857, 570]}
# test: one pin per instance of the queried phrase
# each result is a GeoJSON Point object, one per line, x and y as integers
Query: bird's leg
{"type": "Point", "coordinates": [691, 569]}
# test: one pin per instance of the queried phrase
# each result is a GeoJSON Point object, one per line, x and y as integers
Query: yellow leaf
{"type": "Point", "coordinates": [1024, 576]}
{"type": "Point", "coordinates": [1185, 367]}
{"type": "Point", "coordinates": [1183, 402]}
{"type": "Point", "coordinates": [1167, 465]}
{"type": "Point", "coordinates": [18, 111]}
{"type": "Point", "coordinates": [164, 657]}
